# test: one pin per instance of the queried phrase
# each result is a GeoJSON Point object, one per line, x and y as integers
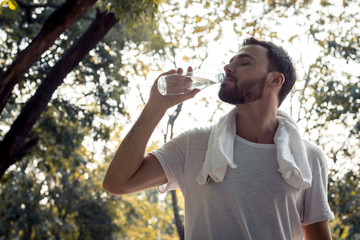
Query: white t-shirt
{"type": "Point", "coordinates": [253, 201]}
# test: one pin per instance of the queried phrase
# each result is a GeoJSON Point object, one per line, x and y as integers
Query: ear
{"type": "Point", "coordinates": [277, 79]}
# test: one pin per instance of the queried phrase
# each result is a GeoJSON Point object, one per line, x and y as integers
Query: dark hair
{"type": "Point", "coordinates": [279, 61]}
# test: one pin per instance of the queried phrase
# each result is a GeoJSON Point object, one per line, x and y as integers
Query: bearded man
{"type": "Point", "coordinates": [251, 175]}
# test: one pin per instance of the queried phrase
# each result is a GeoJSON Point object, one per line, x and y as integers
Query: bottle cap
{"type": "Point", "coordinates": [220, 77]}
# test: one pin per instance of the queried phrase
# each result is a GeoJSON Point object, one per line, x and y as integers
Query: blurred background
{"type": "Point", "coordinates": [74, 75]}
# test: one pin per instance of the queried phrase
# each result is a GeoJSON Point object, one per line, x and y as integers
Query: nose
{"type": "Point", "coordinates": [228, 68]}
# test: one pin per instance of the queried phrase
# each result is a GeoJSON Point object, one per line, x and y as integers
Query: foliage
{"type": "Point", "coordinates": [56, 190]}
{"type": "Point", "coordinates": [344, 196]}
{"type": "Point", "coordinates": [63, 201]}
{"type": "Point", "coordinates": [331, 107]}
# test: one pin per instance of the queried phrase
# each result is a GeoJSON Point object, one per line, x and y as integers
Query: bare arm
{"type": "Point", "coordinates": [130, 171]}
{"type": "Point", "coordinates": [317, 231]}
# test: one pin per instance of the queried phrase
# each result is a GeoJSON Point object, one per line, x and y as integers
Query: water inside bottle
{"type": "Point", "coordinates": [180, 84]}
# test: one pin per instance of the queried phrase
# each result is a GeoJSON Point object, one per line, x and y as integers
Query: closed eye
{"type": "Point", "coordinates": [245, 59]}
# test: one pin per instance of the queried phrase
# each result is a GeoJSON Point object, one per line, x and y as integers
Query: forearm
{"type": "Point", "coordinates": [130, 154]}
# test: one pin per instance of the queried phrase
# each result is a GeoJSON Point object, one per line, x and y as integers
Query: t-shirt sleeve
{"type": "Point", "coordinates": [172, 159]}
{"type": "Point", "coordinates": [315, 206]}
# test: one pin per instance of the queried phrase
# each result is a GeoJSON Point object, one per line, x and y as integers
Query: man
{"type": "Point", "coordinates": [236, 183]}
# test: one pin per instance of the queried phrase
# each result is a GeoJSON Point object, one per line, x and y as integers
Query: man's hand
{"type": "Point", "coordinates": [161, 102]}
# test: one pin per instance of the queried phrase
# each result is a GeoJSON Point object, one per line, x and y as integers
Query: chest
{"type": "Point", "coordinates": [256, 177]}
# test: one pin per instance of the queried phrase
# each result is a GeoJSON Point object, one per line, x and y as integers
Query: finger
{"type": "Point", "coordinates": [180, 70]}
{"type": "Point", "coordinates": [172, 71]}
{"type": "Point", "coordinates": [189, 71]}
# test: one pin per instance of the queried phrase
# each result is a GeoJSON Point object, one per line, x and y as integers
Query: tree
{"type": "Point", "coordinates": [54, 184]}
{"type": "Point", "coordinates": [53, 197]}
{"type": "Point", "coordinates": [344, 194]}
{"type": "Point", "coordinates": [58, 192]}
{"type": "Point", "coordinates": [57, 23]}
{"type": "Point", "coordinates": [14, 145]}
{"type": "Point", "coordinates": [331, 106]}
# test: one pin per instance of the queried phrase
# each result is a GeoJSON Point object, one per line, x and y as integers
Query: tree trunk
{"type": "Point", "coordinates": [13, 147]}
{"type": "Point", "coordinates": [178, 222]}
{"type": "Point", "coordinates": [60, 20]}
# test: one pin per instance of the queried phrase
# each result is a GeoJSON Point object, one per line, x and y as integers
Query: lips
{"type": "Point", "coordinates": [229, 77]}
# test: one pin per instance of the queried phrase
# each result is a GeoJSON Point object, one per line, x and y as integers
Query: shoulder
{"type": "Point", "coordinates": [316, 157]}
{"type": "Point", "coordinates": [200, 132]}
{"type": "Point", "coordinates": [190, 137]}
{"type": "Point", "coordinates": [313, 149]}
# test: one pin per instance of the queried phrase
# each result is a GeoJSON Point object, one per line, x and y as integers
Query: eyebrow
{"type": "Point", "coordinates": [242, 55]}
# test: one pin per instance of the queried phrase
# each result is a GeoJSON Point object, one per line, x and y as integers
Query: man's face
{"type": "Point", "coordinates": [246, 76]}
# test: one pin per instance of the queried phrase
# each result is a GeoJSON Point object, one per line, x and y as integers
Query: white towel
{"type": "Point", "coordinates": [291, 153]}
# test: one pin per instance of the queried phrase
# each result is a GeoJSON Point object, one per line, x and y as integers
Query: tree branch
{"type": "Point", "coordinates": [15, 137]}
{"type": "Point", "coordinates": [60, 20]}
{"type": "Point", "coordinates": [178, 222]}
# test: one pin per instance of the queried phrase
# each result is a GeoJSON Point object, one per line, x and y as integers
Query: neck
{"type": "Point", "coordinates": [256, 122]}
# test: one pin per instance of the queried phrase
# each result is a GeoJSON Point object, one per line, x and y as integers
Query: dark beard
{"type": "Point", "coordinates": [249, 91]}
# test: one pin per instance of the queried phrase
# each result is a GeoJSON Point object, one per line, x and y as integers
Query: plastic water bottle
{"type": "Point", "coordinates": [175, 84]}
